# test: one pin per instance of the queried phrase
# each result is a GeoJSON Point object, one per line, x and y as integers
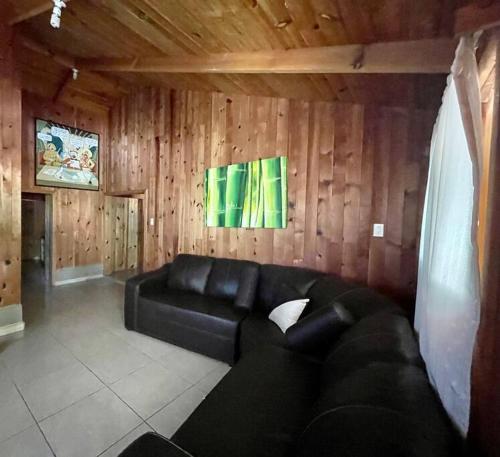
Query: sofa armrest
{"type": "Point", "coordinates": [133, 288]}
{"type": "Point", "coordinates": [154, 445]}
{"type": "Point", "coordinates": [318, 330]}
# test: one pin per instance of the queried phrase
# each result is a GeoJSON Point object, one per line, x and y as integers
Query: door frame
{"type": "Point", "coordinates": [141, 221]}
{"type": "Point", "coordinates": [48, 254]}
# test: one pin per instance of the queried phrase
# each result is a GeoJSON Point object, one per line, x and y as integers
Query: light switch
{"type": "Point", "coordinates": [378, 230]}
{"type": "Point", "coordinates": [151, 221]}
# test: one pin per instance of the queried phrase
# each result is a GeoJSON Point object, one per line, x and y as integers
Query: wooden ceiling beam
{"type": "Point", "coordinates": [27, 14]}
{"type": "Point", "coordinates": [70, 63]}
{"type": "Point", "coordinates": [63, 86]}
{"type": "Point", "coordinates": [422, 56]}
{"type": "Point", "coordinates": [476, 16]}
{"type": "Point", "coordinates": [61, 59]}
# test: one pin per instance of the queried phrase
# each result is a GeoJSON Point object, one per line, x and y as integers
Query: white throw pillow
{"type": "Point", "coordinates": [288, 313]}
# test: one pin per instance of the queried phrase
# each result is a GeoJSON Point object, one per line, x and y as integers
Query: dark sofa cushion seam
{"type": "Point", "coordinates": [216, 335]}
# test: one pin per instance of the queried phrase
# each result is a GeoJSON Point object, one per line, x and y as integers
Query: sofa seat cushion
{"type": "Point", "coordinates": [188, 309]}
{"type": "Point", "coordinates": [258, 410]}
{"type": "Point", "coordinates": [257, 330]}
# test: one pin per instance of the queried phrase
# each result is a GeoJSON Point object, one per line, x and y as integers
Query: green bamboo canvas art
{"type": "Point", "coordinates": [249, 195]}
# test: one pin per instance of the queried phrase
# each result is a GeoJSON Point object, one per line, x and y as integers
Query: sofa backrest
{"type": "Point", "coordinates": [272, 276]}
{"type": "Point", "coordinates": [375, 397]}
{"type": "Point", "coordinates": [359, 301]}
{"type": "Point", "coordinates": [246, 282]}
{"type": "Point", "coordinates": [368, 431]}
{"type": "Point", "coordinates": [234, 280]}
{"type": "Point", "coordinates": [325, 291]}
{"type": "Point", "coordinates": [190, 273]}
{"type": "Point", "coordinates": [381, 337]}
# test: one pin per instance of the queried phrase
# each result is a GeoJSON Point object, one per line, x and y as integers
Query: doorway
{"type": "Point", "coordinates": [123, 237]}
{"type": "Point", "coordinates": [36, 237]}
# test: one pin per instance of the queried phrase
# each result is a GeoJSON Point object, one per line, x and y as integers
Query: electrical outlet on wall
{"type": "Point", "coordinates": [378, 230]}
{"type": "Point", "coordinates": [151, 221]}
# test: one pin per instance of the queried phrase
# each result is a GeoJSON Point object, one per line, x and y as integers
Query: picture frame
{"type": "Point", "coordinates": [65, 156]}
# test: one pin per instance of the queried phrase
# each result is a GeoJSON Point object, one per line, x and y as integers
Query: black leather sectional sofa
{"type": "Point", "coordinates": [346, 381]}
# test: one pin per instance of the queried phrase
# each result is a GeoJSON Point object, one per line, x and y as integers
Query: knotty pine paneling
{"type": "Point", "coordinates": [10, 173]}
{"type": "Point", "coordinates": [77, 214]}
{"type": "Point", "coordinates": [349, 166]}
{"type": "Point", "coordinates": [121, 234]}
{"type": "Point", "coordinates": [139, 157]}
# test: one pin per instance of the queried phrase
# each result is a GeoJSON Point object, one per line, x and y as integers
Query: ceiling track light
{"type": "Point", "coordinates": [55, 19]}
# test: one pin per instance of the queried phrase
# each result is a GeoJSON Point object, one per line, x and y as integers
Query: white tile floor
{"type": "Point", "coordinates": [76, 383]}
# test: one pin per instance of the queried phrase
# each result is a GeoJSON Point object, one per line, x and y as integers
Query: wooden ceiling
{"type": "Point", "coordinates": [154, 28]}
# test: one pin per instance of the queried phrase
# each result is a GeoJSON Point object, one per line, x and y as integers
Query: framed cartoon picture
{"type": "Point", "coordinates": [66, 156]}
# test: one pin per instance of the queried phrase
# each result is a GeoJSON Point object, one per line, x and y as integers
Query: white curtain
{"type": "Point", "coordinates": [448, 302]}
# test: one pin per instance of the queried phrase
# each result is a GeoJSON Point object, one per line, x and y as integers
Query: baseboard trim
{"type": "Point", "coordinates": [11, 319]}
{"type": "Point", "coordinates": [80, 273]}
{"type": "Point", "coordinates": [74, 280]}
{"type": "Point", "coordinates": [11, 328]}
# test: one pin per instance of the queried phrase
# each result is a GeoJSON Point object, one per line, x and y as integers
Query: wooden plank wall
{"type": "Point", "coordinates": [121, 234]}
{"type": "Point", "coordinates": [77, 214]}
{"type": "Point", "coordinates": [10, 173]}
{"type": "Point", "coordinates": [139, 156]}
{"type": "Point", "coordinates": [349, 166]}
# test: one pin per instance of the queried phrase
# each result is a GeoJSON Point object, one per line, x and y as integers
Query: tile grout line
{"type": "Point", "coordinates": [106, 386]}
{"type": "Point", "coordinates": [164, 406]}
{"type": "Point", "coordinates": [152, 359]}
{"type": "Point", "coordinates": [109, 387]}
{"type": "Point", "coordinates": [117, 441]}
{"type": "Point", "coordinates": [36, 422]}
{"type": "Point", "coordinates": [193, 386]}
{"type": "Point", "coordinates": [72, 404]}
{"type": "Point", "coordinates": [204, 377]}
{"type": "Point", "coordinates": [19, 386]}
{"type": "Point", "coordinates": [106, 325]}
{"type": "Point", "coordinates": [170, 402]}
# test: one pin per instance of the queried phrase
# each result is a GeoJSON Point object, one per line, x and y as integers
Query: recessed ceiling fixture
{"type": "Point", "coordinates": [282, 24]}
{"type": "Point", "coordinates": [55, 19]}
